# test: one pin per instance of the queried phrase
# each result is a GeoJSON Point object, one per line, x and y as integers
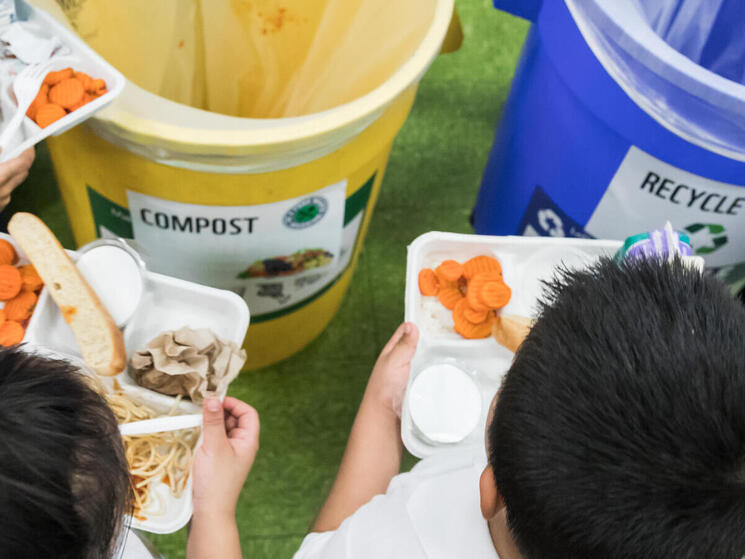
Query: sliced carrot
{"type": "Point", "coordinates": [7, 252]}
{"type": "Point", "coordinates": [450, 270]}
{"type": "Point", "coordinates": [49, 113]}
{"type": "Point", "coordinates": [30, 278]}
{"type": "Point", "coordinates": [467, 328]}
{"type": "Point", "coordinates": [472, 331]}
{"type": "Point", "coordinates": [10, 282]}
{"type": "Point", "coordinates": [84, 79]}
{"type": "Point", "coordinates": [476, 285]}
{"type": "Point", "coordinates": [83, 101]}
{"type": "Point", "coordinates": [449, 297]}
{"type": "Point", "coordinates": [495, 294]}
{"type": "Point", "coordinates": [67, 93]}
{"type": "Point", "coordinates": [40, 99]}
{"type": "Point", "coordinates": [429, 285]}
{"type": "Point", "coordinates": [481, 264]}
{"type": "Point", "coordinates": [76, 106]}
{"type": "Point", "coordinates": [475, 316]}
{"type": "Point", "coordinates": [445, 284]}
{"type": "Point", "coordinates": [96, 86]}
{"type": "Point", "coordinates": [20, 307]}
{"type": "Point", "coordinates": [459, 312]}
{"type": "Point", "coordinates": [2, 316]}
{"type": "Point", "coordinates": [11, 333]}
{"type": "Point", "coordinates": [56, 77]}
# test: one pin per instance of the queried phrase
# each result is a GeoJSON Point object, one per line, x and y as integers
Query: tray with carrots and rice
{"type": "Point", "coordinates": [78, 83]}
{"type": "Point", "coordinates": [473, 299]}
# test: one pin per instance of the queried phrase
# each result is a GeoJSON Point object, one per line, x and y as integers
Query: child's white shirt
{"type": "Point", "coordinates": [432, 512]}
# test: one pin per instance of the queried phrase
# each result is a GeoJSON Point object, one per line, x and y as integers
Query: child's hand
{"type": "Point", "coordinates": [13, 173]}
{"type": "Point", "coordinates": [391, 372]}
{"type": "Point", "coordinates": [230, 441]}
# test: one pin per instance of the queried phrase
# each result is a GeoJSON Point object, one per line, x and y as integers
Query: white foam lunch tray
{"type": "Point", "coordinates": [526, 261]}
{"type": "Point", "coordinates": [86, 60]}
{"type": "Point", "coordinates": [168, 304]}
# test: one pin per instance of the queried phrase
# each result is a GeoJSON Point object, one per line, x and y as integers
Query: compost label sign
{"type": "Point", "coordinates": [274, 255]}
{"type": "Point", "coordinates": [646, 191]}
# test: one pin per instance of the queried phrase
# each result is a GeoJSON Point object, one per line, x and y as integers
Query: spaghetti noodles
{"type": "Point", "coordinates": [154, 457]}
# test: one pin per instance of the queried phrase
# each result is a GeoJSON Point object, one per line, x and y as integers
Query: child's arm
{"type": "Point", "coordinates": [230, 441]}
{"type": "Point", "coordinates": [373, 454]}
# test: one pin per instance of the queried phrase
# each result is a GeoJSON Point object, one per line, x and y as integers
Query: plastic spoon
{"type": "Point", "coordinates": [161, 424]}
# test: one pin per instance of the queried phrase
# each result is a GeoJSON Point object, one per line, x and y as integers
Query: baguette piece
{"type": "Point", "coordinates": [100, 341]}
{"type": "Point", "coordinates": [510, 330]}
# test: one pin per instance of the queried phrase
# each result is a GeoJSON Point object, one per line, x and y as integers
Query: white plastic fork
{"type": "Point", "coordinates": [161, 424]}
{"type": "Point", "coordinates": [26, 86]}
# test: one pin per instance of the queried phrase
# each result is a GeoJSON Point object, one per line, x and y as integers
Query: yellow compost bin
{"type": "Point", "coordinates": [249, 146]}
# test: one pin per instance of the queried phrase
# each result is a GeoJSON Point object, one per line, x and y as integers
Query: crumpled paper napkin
{"type": "Point", "coordinates": [187, 362]}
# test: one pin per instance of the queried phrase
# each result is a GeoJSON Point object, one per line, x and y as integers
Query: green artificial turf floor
{"type": "Point", "coordinates": [308, 402]}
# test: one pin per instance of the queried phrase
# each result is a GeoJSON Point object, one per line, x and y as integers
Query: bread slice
{"type": "Point", "coordinates": [510, 330]}
{"type": "Point", "coordinates": [100, 341]}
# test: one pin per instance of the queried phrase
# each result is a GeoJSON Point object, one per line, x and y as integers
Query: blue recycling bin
{"type": "Point", "coordinates": [609, 131]}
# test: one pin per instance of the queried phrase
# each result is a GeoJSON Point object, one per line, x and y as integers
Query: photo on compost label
{"type": "Point", "coordinates": [300, 261]}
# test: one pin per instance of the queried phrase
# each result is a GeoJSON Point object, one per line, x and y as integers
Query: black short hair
{"type": "Point", "coordinates": [64, 481]}
{"type": "Point", "coordinates": [619, 432]}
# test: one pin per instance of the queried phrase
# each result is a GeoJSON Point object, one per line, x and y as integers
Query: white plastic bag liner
{"type": "Point", "coordinates": [629, 38]}
{"type": "Point", "coordinates": [259, 59]}
{"type": "Point", "coordinates": [709, 32]}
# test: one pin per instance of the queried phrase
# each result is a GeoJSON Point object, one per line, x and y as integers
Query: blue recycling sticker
{"type": "Point", "coordinates": [544, 218]}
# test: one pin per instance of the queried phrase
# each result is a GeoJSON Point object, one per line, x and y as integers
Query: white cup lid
{"type": "Point", "coordinates": [445, 403]}
{"type": "Point", "coordinates": [116, 277]}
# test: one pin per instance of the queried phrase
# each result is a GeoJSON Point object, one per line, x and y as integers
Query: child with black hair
{"type": "Point", "coordinates": [64, 480]}
{"type": "Point", "coordinates": [618, 433]}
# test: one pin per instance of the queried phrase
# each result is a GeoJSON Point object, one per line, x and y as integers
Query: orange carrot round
{"type": "Point", "coordinates": [449, 297]}
{"type": "Point", "coordinates": [7, 252]}
{"type": "Point", "coordinates": [2, 316]}
{"type": "Point", "coordinates": [474, 331]}
{"type": "Point", "coordinates": [11, 333]}
{"type": "Point", "coordinates": [429, 285]}
{"type": "Point", "coordinates": [481, 264]}
{"type": "Point", "coordinates": [459, 311]}
{"type": "Point", "coordinates": [468, 329]}
{"type": "Point", "coordinates": [20, 307]}
{"type": "Point", "coordinates": [84, 79]}
{"type": "Point", "coordinates": [30, 278]}
{"type": "Point", "coordinates": [476, 285]}
{"type": "Point", "coordinates": [10, 282]}
{"type": "Point", "coordinates": [445, 284]}
{"type": "Point", "coordinates": [450, 270]}
{"type": "Point", "coordinates": [96, 86]}
{"type": "Point", "coordinates": [67, 93]}
{"type": "Point", "coordinates": [40, 99]}
{"type": "Point", "coordinates": [56, 77]}
{"type": "Point", "coordinates": [474, 316]}
{"type": "Point", "coordinates": [83, 101]}
{"type": "Point", "coordinates": [495, 294]}
{"type": "Point", "coordinates": [49, 113]}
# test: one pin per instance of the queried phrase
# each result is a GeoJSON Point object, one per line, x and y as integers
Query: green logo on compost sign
{"type": "Point", "coordinates": [306, 213]}
{"type": "Point", "coordinates": [707, 237]}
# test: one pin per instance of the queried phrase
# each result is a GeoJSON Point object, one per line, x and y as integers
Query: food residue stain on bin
{"type": "Point", "coordinates": [255, 59]}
